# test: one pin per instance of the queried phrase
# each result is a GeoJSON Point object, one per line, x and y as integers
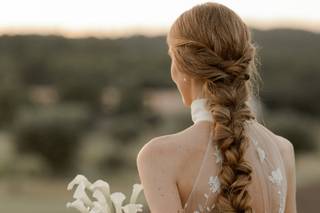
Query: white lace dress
{"type": "Point", "coordinates": [268, 188]}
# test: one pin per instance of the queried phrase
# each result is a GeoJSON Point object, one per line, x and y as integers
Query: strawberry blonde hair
{"type": "Point", "coordinates": [210, 42]}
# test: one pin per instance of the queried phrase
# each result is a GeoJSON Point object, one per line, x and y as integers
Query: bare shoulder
{"type": "Point", "coordinates": [157, 148]}
{"type": "Point", "coordinates": [288, 154]}
{"type": "Point", "coordinates": [164, 151]}
{"type": "Point", "coordinates": [285, 146]}
{"type": "Point", "coordinates": [159, 151]}
{"type": "Point", "coordinates": [157, 168]}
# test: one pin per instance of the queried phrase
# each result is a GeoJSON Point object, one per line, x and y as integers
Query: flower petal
{"type": "Point", "coordinates": [117, 199]}
{"type": "Point", "coordinates": [80, 194]}
{"type": "Point", "coordinates": [137, 188]}
{"type": "Point", "coordinates": [104, 188]}
{"type": "Point", "coordinates": [99, 197]}
{"type": "Point", "coordinates": [98, 208]}
{"type": "Point", "coordinates": [132, 208]}
{"type": "Point", "coordinates": [79, 205]}
{"type": "Point", "coordinates": [77, 180]}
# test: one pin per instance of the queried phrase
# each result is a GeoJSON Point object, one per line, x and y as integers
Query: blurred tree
{"type": "Point", "coordinates": [290, 69]}
{"type": "Point", "coordinates": [11, 91]}
{"type": "Point", "coordinates": [52, 132]}
{"type": "Point", "coordinates": [299, 129]}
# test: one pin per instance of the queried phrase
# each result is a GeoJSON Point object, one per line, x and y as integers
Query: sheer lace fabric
{"type": "Point", "coordinates": [268, 187]}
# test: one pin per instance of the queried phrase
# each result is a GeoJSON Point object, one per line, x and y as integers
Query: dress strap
{"type": "Point", "coordinates": [205, 156]}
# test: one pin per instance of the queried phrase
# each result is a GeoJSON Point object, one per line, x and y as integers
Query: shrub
{"type": "Point", "coordinates": [51, 132]}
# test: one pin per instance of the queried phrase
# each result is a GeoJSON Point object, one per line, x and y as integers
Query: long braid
{"type": "Point", "coordinates": [230, 111]}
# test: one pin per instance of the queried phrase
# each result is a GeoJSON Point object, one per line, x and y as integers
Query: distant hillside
{"type": "Point", "coordinates": [289, 63]}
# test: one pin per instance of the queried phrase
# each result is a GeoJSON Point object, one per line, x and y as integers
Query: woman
{"type": "Point", "coordinates": [226, 161]}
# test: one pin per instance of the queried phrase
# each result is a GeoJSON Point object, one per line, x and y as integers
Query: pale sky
{"type": "Point", "coordinates": [102, 17]}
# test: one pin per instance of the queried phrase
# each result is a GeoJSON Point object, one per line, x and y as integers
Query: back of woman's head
{"type": "Point", "coordinates": [211, 43]}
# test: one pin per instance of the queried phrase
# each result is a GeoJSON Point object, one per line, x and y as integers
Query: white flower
{"type": "Point", "coordinates": [276, 177]}
{"type": "Point", "coordinates": [214, 183]}
{"type": "Point", "coordinates": [261, 154]}
{"type": "Point", "coordinates": [80, 194]}
{"type": "Point", "coordinates": [77, 180]}
{"type": "Point", "coordinates": [104, 202]}
{"type": "Point", "coordinates": [137, 188]}
{"type": "Point", "coordinates": [82, 202]}
{"type": "Point", "coordinates": [117, 199]}
{"type": "Point", "coordinates": [104, 188]}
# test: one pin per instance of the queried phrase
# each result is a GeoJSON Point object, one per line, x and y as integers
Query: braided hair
{"type": "Point", "coordinates": [211, 43]}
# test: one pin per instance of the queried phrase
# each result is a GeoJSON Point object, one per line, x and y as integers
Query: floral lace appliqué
{"type": "Point", "coordinates": [276, 176]}
{"type": "Point", "coordinates": [261, 154]}
{"type": "Point", "coordinates": [214, 184]}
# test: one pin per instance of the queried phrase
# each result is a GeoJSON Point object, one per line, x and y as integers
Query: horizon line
{"type": "Point", "coordinates": [118, 32]}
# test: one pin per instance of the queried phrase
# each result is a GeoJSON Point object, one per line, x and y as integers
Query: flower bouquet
{"type": "Point", "coordinates": [101, 201]}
